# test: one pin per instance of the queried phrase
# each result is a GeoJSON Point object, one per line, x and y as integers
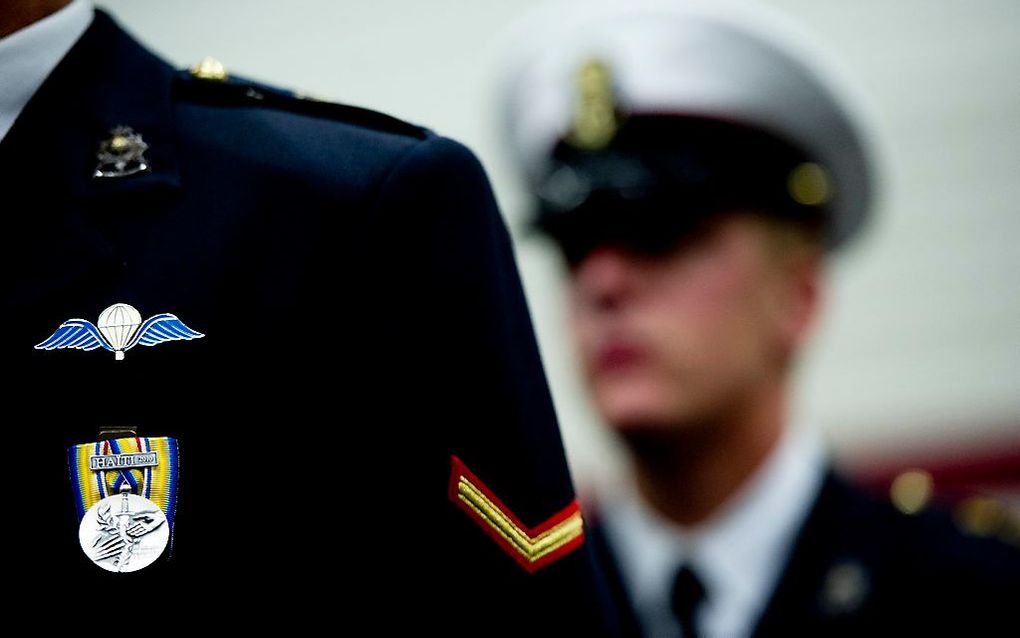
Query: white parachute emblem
{"type": "Point", "coordinates": [120, 328]}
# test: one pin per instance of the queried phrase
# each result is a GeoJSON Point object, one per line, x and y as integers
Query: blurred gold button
{"type": "Point", "coordinates": [911, 491]}
{"type": "Point", "coordinates": [980, 515]}
{"type": "Point", "coordinates": [209, 69]}
{"type": "Point", "coordinates": [809, 184]}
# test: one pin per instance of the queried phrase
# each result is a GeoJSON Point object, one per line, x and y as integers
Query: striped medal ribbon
{"type": "Point", "coordinates": [126, 494]}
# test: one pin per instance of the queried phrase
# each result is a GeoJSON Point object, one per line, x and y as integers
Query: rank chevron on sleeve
{"type": "Point", "coordinates": [532, 547]}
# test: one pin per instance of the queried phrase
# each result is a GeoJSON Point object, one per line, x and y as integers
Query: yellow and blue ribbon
{"type": "Point", "coordinates": [158, 484]}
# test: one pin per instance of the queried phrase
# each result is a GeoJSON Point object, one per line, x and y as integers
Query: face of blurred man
{"type": "Point", "coordinates": [18, 14]}
{"type": "Point", "coordinates": [678, 339]}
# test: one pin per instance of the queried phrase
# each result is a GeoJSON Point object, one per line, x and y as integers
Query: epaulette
{"type": "Point", "coordinates": [208, 83]}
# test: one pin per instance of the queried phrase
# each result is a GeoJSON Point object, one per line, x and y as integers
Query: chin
{"type": "Point", "coordinates": [633, 407]}
{"type": "Point", "coordinates": [628, 408]}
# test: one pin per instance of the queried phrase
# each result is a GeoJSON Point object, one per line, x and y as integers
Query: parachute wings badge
{"type": "Point", "coordinates": [119, 329]}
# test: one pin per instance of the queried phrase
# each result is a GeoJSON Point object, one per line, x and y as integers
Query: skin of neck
{"type": "Point", "coordinates": [688, 472]}
{"type": "Point", "coordinates": [18, 14]}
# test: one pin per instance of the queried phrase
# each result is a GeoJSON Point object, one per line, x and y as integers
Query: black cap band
{"type": "Point", "coordinates": [662, 176]}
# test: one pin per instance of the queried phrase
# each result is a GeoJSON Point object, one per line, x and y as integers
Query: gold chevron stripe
{"type": "Point", "coordinates": [530, 548]}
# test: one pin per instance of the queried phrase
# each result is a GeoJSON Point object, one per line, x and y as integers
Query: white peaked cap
{"type": "Point", "coordinates": [731, 61]}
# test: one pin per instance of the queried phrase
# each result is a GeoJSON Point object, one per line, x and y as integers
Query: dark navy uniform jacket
{"type": "Point", "coordinates": [860, 567]}
{"type": "Point", "coordinates": [364, 324]}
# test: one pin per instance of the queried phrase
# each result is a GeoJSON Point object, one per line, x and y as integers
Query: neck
{"type": "Point", "coordinates": [688, 473]}
{"type": "Point", "coordinates": [18, 14]}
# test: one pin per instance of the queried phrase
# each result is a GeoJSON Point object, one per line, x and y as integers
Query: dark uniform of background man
{"type": "Point", "coordinates": [365, 432]}
{"type": "Point", "coordinates": [695, 172]}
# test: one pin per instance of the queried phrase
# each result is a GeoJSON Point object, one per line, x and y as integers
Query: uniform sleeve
{"type": "Point", "coordinates": [463, 308]}
{"type": "Point", "coordinates": [456, 343]}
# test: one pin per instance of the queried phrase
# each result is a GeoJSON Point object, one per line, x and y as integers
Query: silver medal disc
{"type": "Point", "coordinates": [124, 533]}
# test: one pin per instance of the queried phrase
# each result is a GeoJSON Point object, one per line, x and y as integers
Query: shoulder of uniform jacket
{"type": "Point", "coordinates": [215, 87]}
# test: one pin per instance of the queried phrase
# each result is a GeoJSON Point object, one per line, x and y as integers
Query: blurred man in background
{"type": "Point", "coordinates": [697, 172]}
{"type": "Point", "coordinates": [341, 463]}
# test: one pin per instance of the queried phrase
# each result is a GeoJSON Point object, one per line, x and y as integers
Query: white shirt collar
{"type": "Point", "coordinates": [29, 55]}
{"type": "Point", "coordinates": [738, 554]}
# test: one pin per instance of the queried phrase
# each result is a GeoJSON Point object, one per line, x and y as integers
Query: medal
{"type": "Point", "coordinates": [126, 492]}
{"type": "Point", "coordinates": [124, 533]}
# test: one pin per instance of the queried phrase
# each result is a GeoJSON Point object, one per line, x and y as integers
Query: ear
{"type": "Point", "coordinates": [802, 286]}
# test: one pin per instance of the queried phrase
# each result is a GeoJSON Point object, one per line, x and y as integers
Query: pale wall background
{"type": "Point", "coordinates": [921, 345]}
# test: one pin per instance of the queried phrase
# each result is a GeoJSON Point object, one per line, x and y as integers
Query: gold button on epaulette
{"type": "Point", "coordinates": [308, 97]}
{"type": "Point", "coordinates": [209, 69]}
{"type": "Point", "coordinates": [911, 491]}
{"type": "Point", "coordinates": [981, 516]}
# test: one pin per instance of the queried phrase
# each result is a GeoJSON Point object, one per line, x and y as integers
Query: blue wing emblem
{"type": "Point", "coordinates": [160, 328]}
{"type": "Point", "coordinates": [120, 328]}
{"type": "Point", "coordinates": [75, 333]}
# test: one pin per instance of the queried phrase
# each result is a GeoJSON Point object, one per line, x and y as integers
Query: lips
{"type": "Point", "coordinates": [618, 355]}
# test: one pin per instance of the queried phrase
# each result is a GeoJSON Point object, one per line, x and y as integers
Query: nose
{"type": "Point", "coordinates": [604, 278]}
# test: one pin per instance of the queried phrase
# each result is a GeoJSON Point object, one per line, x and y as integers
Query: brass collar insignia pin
{"type": "Point", "coordinates": [121, 154]}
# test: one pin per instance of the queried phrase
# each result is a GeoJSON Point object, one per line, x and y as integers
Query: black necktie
{"type": "Point", "coordinates": [688, 593]}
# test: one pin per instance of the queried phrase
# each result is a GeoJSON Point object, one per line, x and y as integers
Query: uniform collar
{"type": "Point", "coordinates": [739, 553]}
{"type": "Point", "coordinates": [30, 54]}
{"type": "Point", "coordinates": [66, 224]}
{"type": "Point", "coordinates": [107, 79]}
